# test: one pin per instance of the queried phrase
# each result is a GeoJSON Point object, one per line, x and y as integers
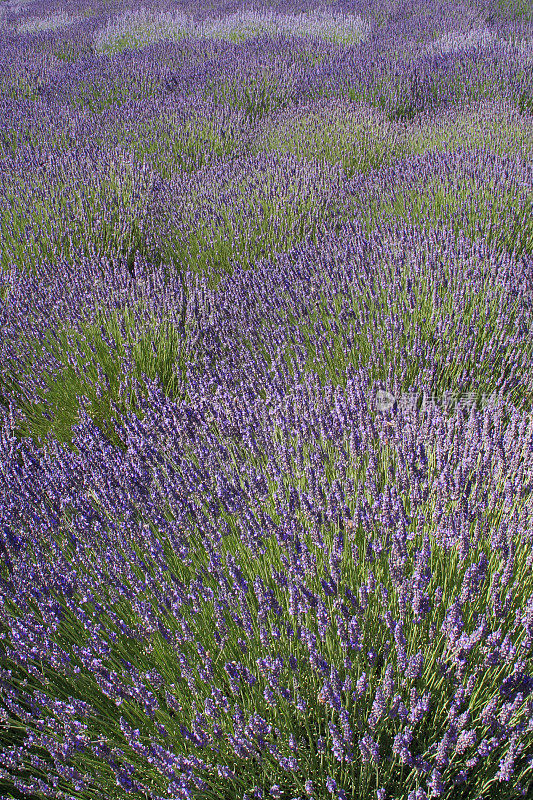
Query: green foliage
{"type": "Point", "coordinates": [525, 102]}
{"type": "Point", "coordinates": [104, 215]}
{"type": "Point", "coordinates": [354, 137]}
{"type": "Point", "coordinates": [22, 88]}
{"type": "Point", "coordinates": [467, 210]}
{"type": "Point", "coordinates": [93, 364]}
{"type": "Point", "coordinates": [468, 125]}
{"type": "Point", "coordinates": [516, 9]}
{"type": "Point", "coordinates": [256, 97]}
{"type": "Point", "coordinates": [67, 52]}
{"type": "Point", "coordinates": [258, 228]}
{"type": "Point", "coordinates": [170, 148]}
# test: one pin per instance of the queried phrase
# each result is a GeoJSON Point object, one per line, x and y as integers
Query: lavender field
{"type": "Point", "coordinates": [266, 400]}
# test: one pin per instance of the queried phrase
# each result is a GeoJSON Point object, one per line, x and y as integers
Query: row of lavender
{"type": "Point", "coordinates": [248, 580]}
{"type": "Point", "coordinates": [390, 70]}
{"type": "Point", "coordinates": [231, 215]}
{"type": "Point", "coordinates": [128, 575]}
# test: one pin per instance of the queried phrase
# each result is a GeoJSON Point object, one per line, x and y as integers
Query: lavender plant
{"type": "Point", "coordinates": [227, 569]}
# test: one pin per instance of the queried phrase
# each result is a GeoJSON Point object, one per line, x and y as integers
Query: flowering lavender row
{"type": "Point", "coordinates": [403, 82]}
{"type": "Point", "coordinates": [296, 418]}
{"type": "Point", "coordinates": [226, 570]}
{"type": "Point", "coordinates": [156, 501]}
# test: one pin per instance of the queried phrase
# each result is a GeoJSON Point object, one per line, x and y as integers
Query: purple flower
{"type": "Point", "coordinates": [337, 742]}
{"type": "Point", "coordinates": [506, 769]}
{"type": "Point", "coordinates": [378, 709]}
{"type": "Point", "coordinates": [436, 784]}
{"type": "Point", "coordinates": [345, 725]}
{"type": "Point", "coordinates": [488, 713]}
{"type": "Point", "coordinates": [361, 686]}
{"type": "Point", "coordinates": [388, 681]}
{"type": "Point", "coordinates": [466, 739]}
{"type": "Point", "coordinates": [323, 619]}
{"type": "Point", "coordinates": [414, 669]}
{"type": "Point", "coordinates": [369, 749]}
{"type": "Point", "coordinates": [419, 794]}
{"type": "Point", "coordinates": [445, 744]}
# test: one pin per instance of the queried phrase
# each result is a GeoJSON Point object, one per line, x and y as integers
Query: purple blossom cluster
{"type": "Point", "coordinates": [224, 573]}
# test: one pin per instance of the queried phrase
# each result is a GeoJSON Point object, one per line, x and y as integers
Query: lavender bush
{"type": "Point", "coordinates": [266, 387]}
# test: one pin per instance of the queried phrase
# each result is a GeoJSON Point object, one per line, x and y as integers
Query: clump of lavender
{"type": "Point", "coordinates": [275, 590]}
{"type": "Point", "coordinates": [138, 28]}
